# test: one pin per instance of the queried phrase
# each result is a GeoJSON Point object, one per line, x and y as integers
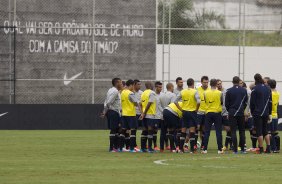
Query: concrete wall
{"type": "Point", "coordinates": [117, 51]}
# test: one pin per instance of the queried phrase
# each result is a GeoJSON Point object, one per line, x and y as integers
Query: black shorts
{"type": "Point", "coordinates": [260, 123]}
{"type": "Point", "coordinates": [273, 126]}
{"type": "Point", "coordinates": [113, 119]}
{"type": "Point", "coordinates": [189, 119]}
{"type": "Point", "coordinates": [129, 122]}
{"type": "Point", "coordinates": [171, 120]}
{"type": "Point", "coordinates": [148, 122]}
{"type": "Point", "coordinates": [201, 118]}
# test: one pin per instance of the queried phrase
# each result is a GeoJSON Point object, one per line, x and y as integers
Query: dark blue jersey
{"type": "Point", "coordinates": [261, 101]}
{"type": "Point", "coordinates": [236, 100]}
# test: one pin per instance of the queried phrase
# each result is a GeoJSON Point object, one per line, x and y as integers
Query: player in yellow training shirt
{"type": "Point", "coordinates": [149, 108]}
{"type": "Point", "coordinates": [129, 120]}
{"type": "Point", "coordinates": [172, 115]}
{"type": "Point", "coordinates": [201, 114]}
{"type": "Point", "coordinates": [273, 125]}
{"type": "Point", "coordinates": [191, 102]}
{"type": "Point", "coordinates": [213, 100]}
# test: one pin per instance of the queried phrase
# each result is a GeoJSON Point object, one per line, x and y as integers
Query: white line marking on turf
{"type": "Point", "coordinates": [217, 167]}
{"type": "Point", "coordinates": [161, 162]}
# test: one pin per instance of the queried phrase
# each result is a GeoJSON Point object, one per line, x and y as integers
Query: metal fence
{"type": "Point", "coordinates": [67, 51]}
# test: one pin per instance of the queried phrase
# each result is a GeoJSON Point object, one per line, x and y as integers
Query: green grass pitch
{"type": "Point", "coordinates": [34, 157]}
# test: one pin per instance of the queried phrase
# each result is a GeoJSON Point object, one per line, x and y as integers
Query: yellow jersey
{"type": "Point", "coordinates": [275, 102]}
{"type": "Point", "coordinates": [128, 107]}
{"type": "Point", "coordinates": [188, 99]}
{"type": "Point", "coordinates": [145, 97]}
{"type": "Point", "coordinates": [203, 106]}
{"type": "Point", "coordinates": [213, 101]}
{"type": "Point", "coordinates": [175, 108]}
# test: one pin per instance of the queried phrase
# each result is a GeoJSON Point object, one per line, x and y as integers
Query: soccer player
{"type": "Point", "coordinates": [159, 113]}
{"type": "Point", "coordinates": [128, 103]}
{"type": "Point", "coordinates": [166, 98]}
{"type": "Point", "coordinates": [235, 102]}
{"type": "Point", "coordinates": [112, 108]}
{"type": "Point", "coordinates": [275, 139]}
{"type": "Point", "coordinates": [202, 109]}
{"type": "Point", "coordinates": [177, 90]}
{"type": "Point", "coordinates": [250, 122]}
{"type": "Point", "coordinates": [261, 109]}
{"type": "Point", "coordinates": [265, 80]}
{"type": "Point", "coordinates": [191, 101]}
{"type": "Point", "coordinates": [138, 92]}
{"type": "Point", "coordinates": [213, 100]}
{"type": "Point", "coordinates": [224, 114]}
{"type": "Point", "coordinates": [149, 108]}
{"type": "Point", "coordinates": [241, 83]}
{"type": "Point", "coordinates": [172, 116]}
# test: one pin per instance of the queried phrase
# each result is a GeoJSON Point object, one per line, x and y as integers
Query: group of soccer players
{"type": "Point", "coordinates": [185, 115]}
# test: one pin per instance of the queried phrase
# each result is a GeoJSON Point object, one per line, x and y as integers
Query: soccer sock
{"type": "Point", "coordinates": [155, 138]}
{"type": "Point", "coordinates": [112, 138]}
{"type": "Point", "coordinates": [122, 139]}
{"type": "Point", "coordinates": [182, 140]}
{"type": "Point", "coordinates": [127, 140]}
{"type": "Point", "coordinates": [261, 149]}
{"type": "Point", "coordinates": [203, 137]}
{"type": "Point", "coordinates": [144, 136]}
{"type": "Point", "coordinates": [196, 136]}
{"type": "Point", "coordinates": [277, 141]}
{"type": "Point", "coordinates": [166, 141]}
{"type": "Point", "coordinates": [268, 147]}
{"type": "Point", "coordinates": [192, 141]}
{"type": "Point", "coordinates": [150, 139]}
{"type": "Point", "coordinates": [178, 135]}
{"type": "Point", "coordinates": [117, 138]}
{"type": "Point", "coordinates": [170, 137]}
{"type": "Point", "coordinates": [117, 141]}
{"type": "Point", "coordinates": [272, 141]}
{"type": "Point", "coordinates": [132, 139]}
{"type": "Point", "coordinates": [228, 139]}
{"type": "Point", "coordinates": [254, 140]}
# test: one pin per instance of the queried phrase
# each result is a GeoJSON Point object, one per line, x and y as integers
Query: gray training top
{"type": "Point", "coordinates": [138, 97]}
{"type": "Point", "coordinates": [176, 91]}
{"type": "Point", "coordinates": [167, 98]}
{"type": "Point", "coordinates": [224, 111]}
{"type": "Point", "coordinates": [112, 101]}
{"type": "Point", "coordinates": [159, 110]}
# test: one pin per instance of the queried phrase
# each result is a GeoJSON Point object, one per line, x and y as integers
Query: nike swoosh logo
{"type": "Point", "coordinates": [68, 81]}
{"type": "Point", "coordinates": [3, 114]}
{"type": "Point", "coordinates": [210, 102]}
